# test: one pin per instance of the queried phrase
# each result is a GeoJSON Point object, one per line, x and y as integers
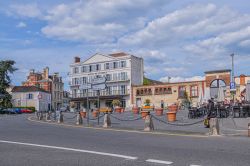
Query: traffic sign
{"type": "Point", "coordinates": [99, 80]}
{"type": "Point", "coordinates": [232, 85]}
{"type": "Point", "coordinates": [99, 87]}
{"type": "Point", "coordinates": [85, 86]}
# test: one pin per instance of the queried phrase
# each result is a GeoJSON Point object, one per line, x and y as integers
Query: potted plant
{"type": "Point", "coordinates": [171, 116]}
{"type": "Point", "coordinates": [136, 110]}
{"type": "Point", "coordinates": [83, 113]}
{"type": "Point", "coordinates": [95, 113]}
{"type": "Point", "coordinates": [173, 108]}
{"type": "Point", "coordinates": [116, 104]}
{"type": "Point", "coordinates": [159, 111]}
{"type": "Point", "coordinates": [145, 112]}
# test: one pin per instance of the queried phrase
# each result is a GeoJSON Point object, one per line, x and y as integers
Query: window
{"type": "Point", "coordinates": [98, 67]}
{"type": "Point", "coordinates": [123, 63]}
{"type": "Point", "coordinates": [29, 96]}
{"type": "Point", "coordinates": [107, 66]}
{"type": "Point", "coordinates": [194, 91]}
{"type": "Point", "coordinates": [83, 80]}
{"type": "Point", "coordinates": [84, 69]}
{"type": "Point", "coordinates": [90, 68]}
{"type": "Point", "coordinates": [115, 65]}
{"type": "Point", "coordinates": [108, 77]}
{"type": "Point", "coordinates": [182, 90]}
{"type": "Point", "coordinates": [123, 75]}
{"type": "Point", "coordinates": [76, 70]}
{"type": "Point", "coordinates": [123, 89]}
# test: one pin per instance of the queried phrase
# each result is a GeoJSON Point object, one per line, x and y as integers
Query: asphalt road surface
{"type": "Point", "coordinates": [27, 143]}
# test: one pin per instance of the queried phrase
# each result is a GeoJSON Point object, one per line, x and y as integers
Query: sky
{"type": "Point", "coordinates": [180, 39]}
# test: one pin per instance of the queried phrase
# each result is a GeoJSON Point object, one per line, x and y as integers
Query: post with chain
{"type": "Point", "coordinates": [78, 119]}
{"type": "Point", "coordinates": [107, 121]}
{"type": "Point", "coordinates": [60, 118]}
{"type": "Point", "coordinates": [214, 126]}
{"type": "Point", "coordinates": [149, 126]}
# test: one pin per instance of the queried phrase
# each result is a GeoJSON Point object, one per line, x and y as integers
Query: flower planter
{"type": "Point", "coordinates": [135, 110]}
{"type": "Point", "coordinates": [173, 108]}
{"type": "Point", "coordinates": [95, 114]}
{"type": "Point", "coordinates": [118, 109]}
{"type": "Point", "coordinates": [171, 116]}
{"type": "Point", "coordinates": [83, 114]}
{"type": "Point", "coordinates": [159, 111]}
{"type": "Point", "coordinates": [144, 114]}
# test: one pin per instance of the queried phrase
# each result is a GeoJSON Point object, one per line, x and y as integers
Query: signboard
{"type": "Point", "coordinates": [85, 86]}
{"type": "Point", "coordinates": [99, 80]}
{"type": "Point", "coordinates": [232, 86]}
{"type": "Point", "coordinates": [99, 87]}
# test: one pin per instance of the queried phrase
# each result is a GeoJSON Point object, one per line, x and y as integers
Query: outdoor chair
{"type": "Point", "coordinates": [236, 110]}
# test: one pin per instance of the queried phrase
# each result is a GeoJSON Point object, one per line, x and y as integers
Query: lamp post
{"type": "Point", "coordinates": [232, 76]}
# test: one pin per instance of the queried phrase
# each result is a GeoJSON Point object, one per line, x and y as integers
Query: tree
{"type": "Point", "coordinates": [186, 100]}
{"type": "Point", "coordinates": [6, 68]}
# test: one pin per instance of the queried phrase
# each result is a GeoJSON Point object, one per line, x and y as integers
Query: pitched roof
{"type": "Point", "coordinates": [28, 89]}
{"type": "Point", "coordinates": [118, 54]}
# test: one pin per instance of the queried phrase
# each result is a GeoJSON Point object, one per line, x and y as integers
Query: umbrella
{"type": "Point", "coordinates": [200, 99]}
{"type": "Point", "coordinates": [221, 95]}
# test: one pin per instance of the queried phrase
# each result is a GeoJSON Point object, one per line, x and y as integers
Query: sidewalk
{"type": "Point", "coordinates": [130, 121]}
{"type": "Point", "coordinates": [234, 126]}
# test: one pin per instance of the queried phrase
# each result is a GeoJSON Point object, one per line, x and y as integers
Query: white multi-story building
{"type": "Point", "coordinates": [121, 71]}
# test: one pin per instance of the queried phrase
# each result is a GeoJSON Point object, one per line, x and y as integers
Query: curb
{"type": "Point", "coordinates": [167, 133]}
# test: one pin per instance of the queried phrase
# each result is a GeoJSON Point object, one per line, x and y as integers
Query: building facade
{"type": "Point", "coordinates": [50, 83]}
{"type": "Point", "coordinates": [121, 71]}
{"type": "Point", "coordinates": [165, 94]}
{"type": "Point", "coordinates": [31, 96]}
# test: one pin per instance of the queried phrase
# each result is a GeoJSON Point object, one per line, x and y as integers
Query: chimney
{"type": "Point", "coordinates": [46, 73]}
{"type": "Point", "coordinates": [32, 71]}
{"type": "Point", "coordinates": [77, 59]}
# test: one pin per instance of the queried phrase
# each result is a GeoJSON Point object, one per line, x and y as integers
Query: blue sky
{"type": "Point", "coordinates": [180, 39]}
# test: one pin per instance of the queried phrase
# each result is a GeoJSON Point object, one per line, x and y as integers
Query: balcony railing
{"type": "Point", "coordinates": [102, 93]}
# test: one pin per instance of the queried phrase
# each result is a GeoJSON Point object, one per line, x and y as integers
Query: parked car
{"type": "Point", "coordinates": [11, 111]}
{"type": "Point", "coordinates": [26, 111]}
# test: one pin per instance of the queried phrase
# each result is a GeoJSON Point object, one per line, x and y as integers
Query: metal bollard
{"type": "Point", "coordinates": [248, 129]}
{"type": "Point", "coordinates": [214, 127]}
{"type": "Point", "coordinates": [149, 125]}
{"type": "Point", "coordinates": [48, 116]}
{"type": "Point", "coordinates": [60, 118]}
{"type": "Point", "coordinates": [78, 119]}
{"type": "Point", "coordinates": [40, 116]}
{"type": "Point", "coordinates": [107, 121]}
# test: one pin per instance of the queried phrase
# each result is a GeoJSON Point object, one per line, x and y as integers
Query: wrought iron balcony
{"type": "Point", "coordinates": [102, 93]}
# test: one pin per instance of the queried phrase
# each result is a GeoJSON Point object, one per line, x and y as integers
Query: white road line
{"type": "Point", "coordinates": [195, 165]}
{"type": "Point", "coordinates": [159, 161]}
{"type": "Point", "coordinates": [71, 149]}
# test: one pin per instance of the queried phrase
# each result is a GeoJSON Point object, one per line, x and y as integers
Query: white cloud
{"type": "Point", "coordinates": [97, 21]}
{"type": "Point", "coordinates": [27, 10]}
{"type": "Point", "coordinates": [21, 25]}
{"type": "Point", "coordinates": [182, 79]}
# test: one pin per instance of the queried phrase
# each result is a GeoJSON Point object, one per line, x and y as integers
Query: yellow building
{"type": "Point", "coordinates": [162, 95]}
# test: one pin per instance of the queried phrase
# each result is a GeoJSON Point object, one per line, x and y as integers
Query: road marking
{"type": "Point", "coordinates": [71, 149]}
{"type": "Point", "coordinates": [159, 161]}
{"type": "Point", "coordinates": [195, 165]}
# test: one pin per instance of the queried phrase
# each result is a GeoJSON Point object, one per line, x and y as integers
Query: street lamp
{"type": "Point", "coordinates": [232, 84]}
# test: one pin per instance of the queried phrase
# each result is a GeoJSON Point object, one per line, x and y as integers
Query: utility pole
{"type": "Point", "coordinates": [232, 77]}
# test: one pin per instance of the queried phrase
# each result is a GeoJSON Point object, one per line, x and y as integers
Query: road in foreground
{"type": "Point", "coordinates": [23, 142]}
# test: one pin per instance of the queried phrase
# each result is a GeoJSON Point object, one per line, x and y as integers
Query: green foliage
{"type": "Point", "coordinates": [6, 68]}
{"type": "Point", "coordinates": [116, 102]}
{"type": "Point", "coordinates": [147, 102]}
{"type": "Point", "coordinates": [146, 81]}
{"type": "Point", "coordinates": [186, 100]}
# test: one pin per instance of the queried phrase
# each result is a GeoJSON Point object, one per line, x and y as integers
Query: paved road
{"type": "Point", "coordinates": [29, 143]}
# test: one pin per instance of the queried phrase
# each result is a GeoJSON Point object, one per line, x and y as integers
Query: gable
{"type": "Point", "coordinates": [98, 58]}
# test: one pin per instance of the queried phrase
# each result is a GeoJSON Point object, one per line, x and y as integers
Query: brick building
{"type": "Point", "coordinates": [50, 83]}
